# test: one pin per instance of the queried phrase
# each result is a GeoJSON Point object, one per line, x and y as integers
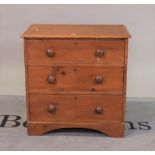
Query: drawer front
{"type": "Point", "coordinates": [45, 52]}
{"type": "Point", "coordinates": [79, 108]}
{"type": "Point", "coordinates": [69, 78]}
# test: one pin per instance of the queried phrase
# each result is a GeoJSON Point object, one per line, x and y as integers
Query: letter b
{"type": "Point", "coordinates": [6, 119]}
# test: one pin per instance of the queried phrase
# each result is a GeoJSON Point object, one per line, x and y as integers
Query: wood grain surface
{"type": "Point", "coordinates": [76, 31]}
{"type": "Point", "coordinates": [76, 77]}
{"type": "Point", "coordinates": [75, 51]}
{"type": "Point", "coordinates": [72, 78]}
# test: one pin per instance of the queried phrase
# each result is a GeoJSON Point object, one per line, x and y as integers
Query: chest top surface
{"type": "Point", "coordinates": [76, 31]}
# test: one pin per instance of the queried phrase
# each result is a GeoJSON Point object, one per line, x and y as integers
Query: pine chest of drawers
{"type": "Point", "coordinates": [76, 77]}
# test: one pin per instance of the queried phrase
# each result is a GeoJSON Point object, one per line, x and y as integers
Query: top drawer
{"type": "Point", "coordinates": [49, 51]}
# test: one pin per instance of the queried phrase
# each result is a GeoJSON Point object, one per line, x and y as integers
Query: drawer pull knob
{"type": "Point", "coordinates": [51, 79]}
{"type": "Point", "coordinates": [99, 79]}
{"type": "Point", "coordinates": [50, 52]}
{"type": "Point", "coordinates": [99, 53]}
{"type": "Point", "coordinates": [99, 109]}
{"type": "Point", "coordinates": [51, 108]}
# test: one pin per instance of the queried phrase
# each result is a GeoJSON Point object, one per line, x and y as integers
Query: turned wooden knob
{"type": "Point", "coordinates": [99, 79]}
{"type": "Point", "coordinates": [99, 109]}
{"type": "Point", "coordinates": [51, 79]}
{"type": "Point", "coordinates": [50, 52]}
{"type": "Point", "coordinates": [100, 53]}
{"type": "Point", "coordinates": [51, 108]}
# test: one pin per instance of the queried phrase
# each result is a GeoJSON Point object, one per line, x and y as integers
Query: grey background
{"type": "Point", "coordinates": [140, 20]}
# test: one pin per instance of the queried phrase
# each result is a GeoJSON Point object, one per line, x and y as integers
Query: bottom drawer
{"type": "Point", "coordinates": [75, 108]}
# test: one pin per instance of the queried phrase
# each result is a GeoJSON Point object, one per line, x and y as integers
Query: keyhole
{"type": "Point", "coordinates": [75, 43]}
{"type": "Point", "coordinates": [75, 69]}
{"type": "Point", "coordinates": [75, 97]}
{"type": "Point", "coordinates": [63, 72]}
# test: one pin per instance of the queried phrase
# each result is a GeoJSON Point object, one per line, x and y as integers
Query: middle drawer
{"type": "Point", "coordinates": [76, 78]}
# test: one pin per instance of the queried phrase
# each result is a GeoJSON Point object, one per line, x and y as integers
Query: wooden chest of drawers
{"type": "Point", "coordinates": [76, 77]}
